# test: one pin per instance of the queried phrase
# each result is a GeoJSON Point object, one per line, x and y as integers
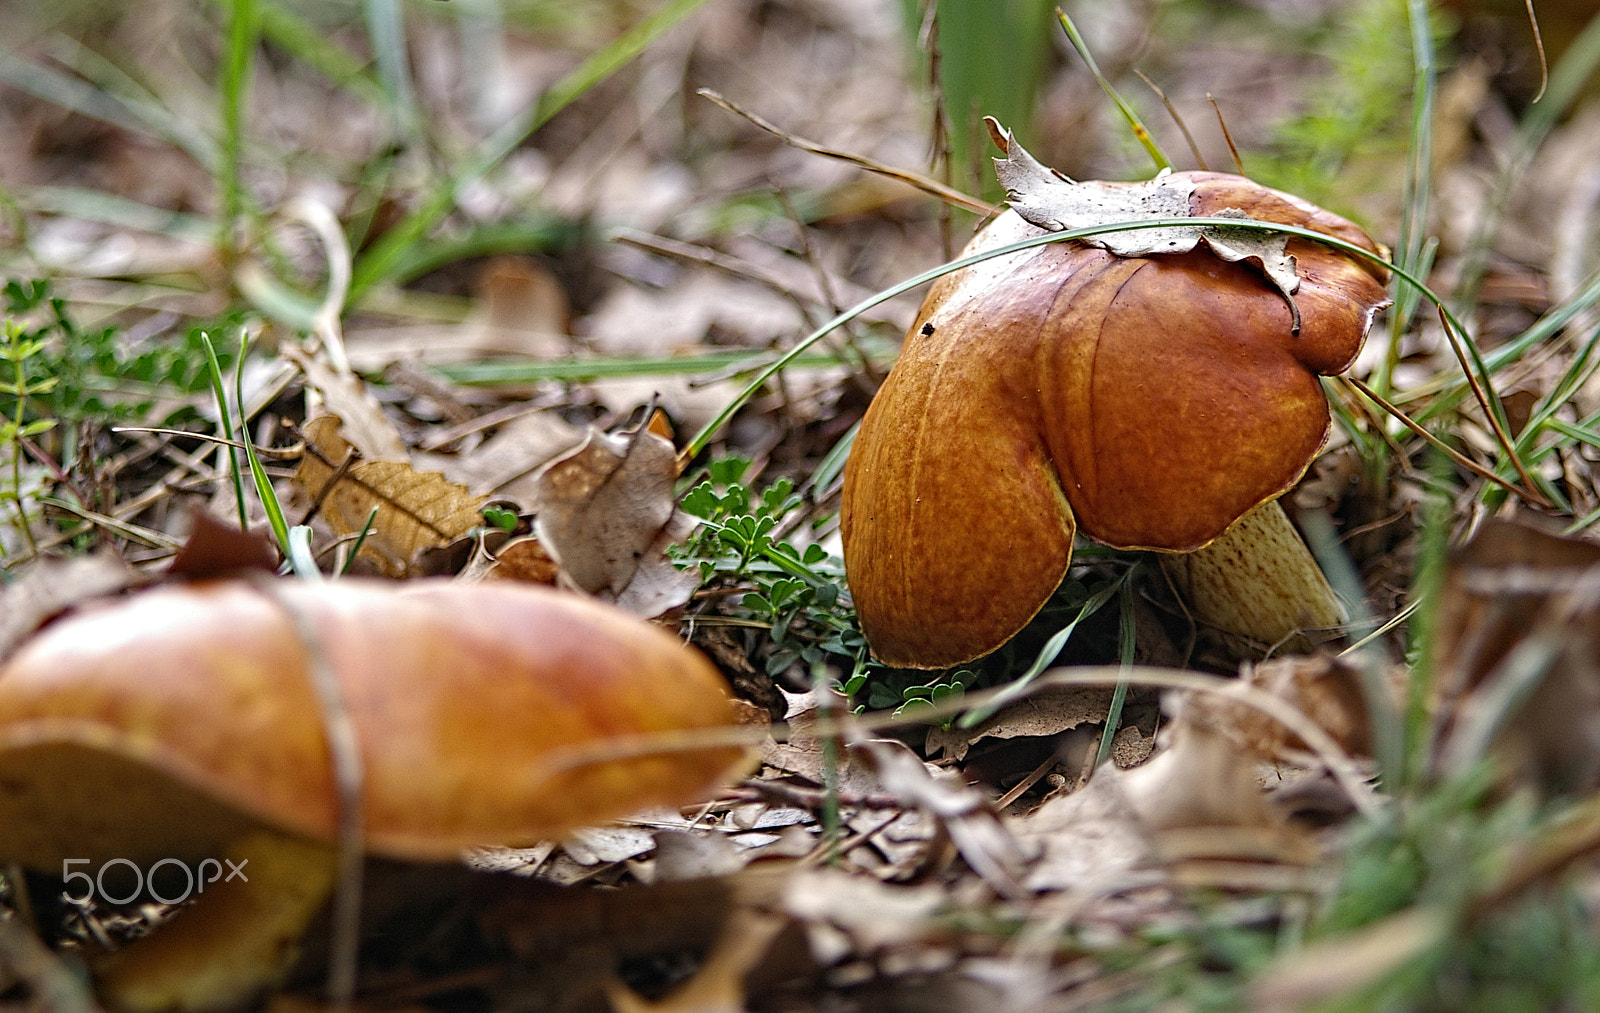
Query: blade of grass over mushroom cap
{"type": "Point", "coordinates": [176, 722]}
{"type": "Point", "coordinates": [703, 438]}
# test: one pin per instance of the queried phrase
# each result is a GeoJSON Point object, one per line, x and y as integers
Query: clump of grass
{"type": "Point", "coordinates": [1353, 115]}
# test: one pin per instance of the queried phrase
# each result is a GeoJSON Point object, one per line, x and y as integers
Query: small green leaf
{"type": "Point", "coordinates": [499, 517]}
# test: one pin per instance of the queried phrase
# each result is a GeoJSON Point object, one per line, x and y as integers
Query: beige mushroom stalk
{"type": "Point", "coordinates": [1156, 401]}
{"type": "Point", "coordinates": [182, 724]}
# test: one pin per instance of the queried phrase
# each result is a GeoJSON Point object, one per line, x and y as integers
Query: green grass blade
{"type": "Point", "coordinates": [258, 471]}
{"type": "Point", "coordinates": [1119, 696]}
{"type": "Point", "coordinates": [1134, 122]}
{"type": "Point", "coordinates": [312, 46]}
{"type": "Point", "coordinates": [361, 539]}
{"type": "Point", "coordinates": [992, 59]}
{"type": "Point", "coordinates": [1412, 249]}
{"type": "Point", "coordinates": [733, 360]}
{"type": "Point", "coordinates": [1047, 655]}
{"type": "Point", "coordinates": [381, 259]}
{"type": "Point", "coordinates": [302, 561]}
{"type": "Point", "coordinates": [832, 464]}
{"type": "Point", "coordinates": [532, 232]}
{"type": "Point", "coordinates": [220, 392]}
{"type": "Point", "coordinates": [386, 33]}
{"type": "Point", "coordinates": [238, 60]}
{"type": "Point", "coordinates": [115, 210]}
{"type": "Point", "coordinates": [87, 100]}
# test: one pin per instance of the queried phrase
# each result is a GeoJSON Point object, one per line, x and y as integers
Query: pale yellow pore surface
{"type": "Point", "coordinates": [1257, 581]}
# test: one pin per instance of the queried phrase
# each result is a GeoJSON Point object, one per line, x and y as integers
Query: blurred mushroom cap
{"type": "Point", "coordinates": [161, 725]}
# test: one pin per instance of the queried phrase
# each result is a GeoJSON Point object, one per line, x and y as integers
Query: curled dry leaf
{"type": "Point", "coordinates": [345, 396]}
{"type": "Point", "coordinates": [1045, 198]}
{"type": "Point", "coordinates": [607, 513]}
{"type": "Point", "coordinates": [1202, 778]}
{"type": "Point", "coordinates": [417, 510]}
{"type": "Point", "coordinates": [964, 813]}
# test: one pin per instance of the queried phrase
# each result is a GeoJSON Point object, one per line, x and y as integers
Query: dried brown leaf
{"type": "Point", "coordinates": [1324, 688]}
{"type": "Point", "coordinates": [345, 396]}
{"type": "Point", "coordinates": [417, 510]}
{"type": "Point", "coordinates": [523, 559]}
{"type": "Point", "coordinates": [606, 513]}
{"type": "Point", "coordinates": [214, 549]}
{"type": "Point", "coordinates": [1091, 839]}
{"type": "Point", "coordinates": [1048, 711]}
{"type": "Point", "coordinates": [1201, 779]}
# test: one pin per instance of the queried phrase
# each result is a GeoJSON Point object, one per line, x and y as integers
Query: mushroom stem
{"type": "Point", "coordinates": [236, 939]}
{"type": "Point", "coordinates": [1257, 584]}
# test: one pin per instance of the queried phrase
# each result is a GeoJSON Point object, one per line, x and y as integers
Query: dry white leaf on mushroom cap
{"type": "Point", "coordinates": [1046, 198]}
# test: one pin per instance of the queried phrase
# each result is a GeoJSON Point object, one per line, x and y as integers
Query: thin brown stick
{"type": "Point", "coordinates": [926, 184]}
{"type": "Point", "coordinates": [1194, 149]}
{"type": "Point", "coordinates": [1531, 495]}
{"type": "Point", "coordinates": [939, 124]}
{"type": "Point", "coordinates": [1538, 44]}
{"type": "Point", "coordinates": [1023, 785]}
{"type": "Point", "coordinates": [1493, 417]}
{"type": "Point", "coordinates": [1226, 136]}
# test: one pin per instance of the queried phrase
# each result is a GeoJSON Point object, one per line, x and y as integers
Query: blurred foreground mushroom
{"type": "Point", "coordinates": [184, 724]}
{"type": "Point", "coordinates": [1146, 399]}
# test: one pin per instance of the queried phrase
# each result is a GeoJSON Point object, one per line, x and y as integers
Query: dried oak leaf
{"type": "Point", "coordinates": [607, 513]}
{"type": "Point", "coordinates": [417, 510]}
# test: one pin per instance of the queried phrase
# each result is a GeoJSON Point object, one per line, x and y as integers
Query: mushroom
{"type": "Point", "coordinates": [1158, 402]}
{"type": "Point", "coordinates": [182, 725]}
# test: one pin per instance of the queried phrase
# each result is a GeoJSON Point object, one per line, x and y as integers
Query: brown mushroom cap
{"type": "Point", "coordinates": [163, 725]}
{"type": "Point", "coordinates": [1146, 402]}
